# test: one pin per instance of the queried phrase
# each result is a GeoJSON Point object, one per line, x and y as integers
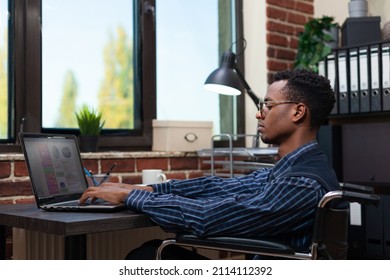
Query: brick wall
{"type": "Point", "coordinates": [15, 186]}
{"type": "Point", "coordinates": [285, 20]}
{"type": "Point", "coordinates": [14, 182]}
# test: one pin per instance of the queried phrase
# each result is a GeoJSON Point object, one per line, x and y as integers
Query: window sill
{"type": "Point", "coordinates": [111, 155]}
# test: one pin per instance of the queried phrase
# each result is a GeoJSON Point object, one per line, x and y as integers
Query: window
{"type": "Point", "coordinates": [197, 37]}
{"type": "Point", "coordinates": [88, 62]}
{"type": "Point", "coordinates": [4, 112]}
{"type": "Point", "coordinates": [103, 53]}
{"type": "Point", "coordinates": [32, 40]}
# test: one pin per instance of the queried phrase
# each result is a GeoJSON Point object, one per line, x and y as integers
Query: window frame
{"type": "Point", "coordinates": [25, 84]}
{"type": "Point", "coordinates": [240, 61]}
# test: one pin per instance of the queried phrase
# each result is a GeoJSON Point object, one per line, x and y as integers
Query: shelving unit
{"type": "Point", "coordinates": [360, 76]}
{"type": "Point", "coordinates": [237, 161]}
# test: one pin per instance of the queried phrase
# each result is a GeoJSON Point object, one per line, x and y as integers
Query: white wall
{"type": "Point", "coordinates": [379, 8]}
{"type": "Point", "coordinates": [335, 8]}
{"type": "Point", "coordinates": [255, 57]}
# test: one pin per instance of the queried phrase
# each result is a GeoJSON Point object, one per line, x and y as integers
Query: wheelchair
{"type": "Point", "coordinates": [329, 236]}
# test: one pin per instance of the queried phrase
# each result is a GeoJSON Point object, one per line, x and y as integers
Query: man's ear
{"type": "Point", "coordinates": [300, 113]}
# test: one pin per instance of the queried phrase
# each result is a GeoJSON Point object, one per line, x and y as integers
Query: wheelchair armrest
{"type": "Point", "coordinates": [236, 243]}
{"type": "Point", "coordinates": [351, 196]}
{"type": "Point", "coordinates": [362, 198]}
{"type": "Point", "coordinates": [356, 188]}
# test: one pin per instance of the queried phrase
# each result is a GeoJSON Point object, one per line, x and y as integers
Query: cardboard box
{"type": "Point", "coordinates": [181, 136]}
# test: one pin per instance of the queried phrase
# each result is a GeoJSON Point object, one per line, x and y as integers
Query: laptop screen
{"type": "Point", "coordinates": [55, 165]}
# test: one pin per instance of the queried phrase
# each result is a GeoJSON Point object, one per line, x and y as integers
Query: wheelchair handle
{"type": "Point", "coordinates": [362, 198]}
{"type": "Point", "coordinates": [356, 188]}
{"type": "Point", "coordinates": [351, 196]}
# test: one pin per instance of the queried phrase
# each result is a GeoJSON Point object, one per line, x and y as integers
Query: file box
{"type": "Point", "coordinates": [181, 136]}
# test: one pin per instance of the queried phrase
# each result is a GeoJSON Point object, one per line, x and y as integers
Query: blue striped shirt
{"type": "Point", "coordinates": [253, 205]}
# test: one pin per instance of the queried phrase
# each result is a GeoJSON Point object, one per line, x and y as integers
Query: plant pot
{"type": "Point", "coordinates": [89, 143]}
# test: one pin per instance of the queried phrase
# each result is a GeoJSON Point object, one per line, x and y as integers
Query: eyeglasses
{"type": "Point", "coordinates": [272, 103]}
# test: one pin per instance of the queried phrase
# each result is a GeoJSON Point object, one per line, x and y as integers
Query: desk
{"type": "Point", "coordinates": [74, 226]}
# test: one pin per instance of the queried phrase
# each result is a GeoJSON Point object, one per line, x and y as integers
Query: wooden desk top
{"type": "Point", "coordinates": [29, 217]}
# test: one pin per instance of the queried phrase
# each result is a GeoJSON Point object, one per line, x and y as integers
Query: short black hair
{"type": "Point", "coordinates": [311, 89]}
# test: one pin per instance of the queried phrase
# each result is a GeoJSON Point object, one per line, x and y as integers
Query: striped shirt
{"type": "Point", "coordinates": [263, 203]}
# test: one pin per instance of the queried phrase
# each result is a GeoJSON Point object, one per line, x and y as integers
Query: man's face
{"type": "Point", "coordinates": [275, 125]}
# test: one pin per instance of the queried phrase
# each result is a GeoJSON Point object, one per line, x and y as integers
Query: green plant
{"type": "Point", "coordinates": [89, 121]}
{"type": "Point", "coordinates": [312, 46]}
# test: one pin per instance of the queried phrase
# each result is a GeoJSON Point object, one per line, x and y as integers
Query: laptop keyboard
{"type": "Point", "coordinates": [68, 203]}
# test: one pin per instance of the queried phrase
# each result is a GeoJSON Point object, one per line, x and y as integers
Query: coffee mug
{"type": "Point", "coordinates": [153, 176]}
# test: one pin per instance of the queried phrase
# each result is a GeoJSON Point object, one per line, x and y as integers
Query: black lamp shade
{"type": "Point", "coordinates": [225, 80]}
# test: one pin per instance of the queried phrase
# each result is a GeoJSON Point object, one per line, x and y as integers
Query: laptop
{"type": "Point", "coordinates": [57, 174]}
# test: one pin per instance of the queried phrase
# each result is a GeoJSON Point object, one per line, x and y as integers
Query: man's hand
{"type": "Point", "coordinates": [111, 192]}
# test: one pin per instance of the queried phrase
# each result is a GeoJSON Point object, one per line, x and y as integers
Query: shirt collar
{"type": "Point", "coordinates": [288, 160]}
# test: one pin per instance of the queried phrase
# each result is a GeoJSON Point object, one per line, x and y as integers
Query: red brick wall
{"type": "Point", "coordinates": [15, 186]}
{"type": "Point", "coordinates": [14, 182]}
{"type": "Point", "coordinates": [285, 20]}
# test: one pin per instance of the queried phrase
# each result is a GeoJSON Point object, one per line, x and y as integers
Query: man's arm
{"type": "Point", "coordinates": [111, 192]}
{"type": "Point", "coordinates": [280, 206]}
{"type": "Point", "coordinates": [213, 186]}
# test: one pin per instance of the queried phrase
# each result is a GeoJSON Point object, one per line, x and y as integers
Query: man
{"type": "Point", "coordinates": [278, 201]}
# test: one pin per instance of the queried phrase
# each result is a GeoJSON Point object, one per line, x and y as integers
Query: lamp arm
{"type": "Point", "coordinates": [250, 92]}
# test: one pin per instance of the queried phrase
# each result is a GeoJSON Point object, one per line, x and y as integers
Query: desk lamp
{"type": "Point", "coordinates": [227, 79]}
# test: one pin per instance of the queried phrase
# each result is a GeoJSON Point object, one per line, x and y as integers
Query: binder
{"type": "Point", "coordinates": [354, 81]}
{"type": "Point", "coordinates": [342, 87]}
{"type": "Point", "coordinates": [363, 78]}
{"type": "Point", "coordinates": [386, 77]}
{"type": "Point", "coordinates": [376, 96]}
{"type": "Point", "coordinates": [321, 68]}
{"type": "Point", "coordinates": [330, 73]}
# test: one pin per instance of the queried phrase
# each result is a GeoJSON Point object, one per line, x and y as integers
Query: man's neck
{"type": "Point", "coordinates": [294, 143]}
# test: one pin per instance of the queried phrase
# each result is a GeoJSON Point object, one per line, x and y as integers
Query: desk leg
{"type": "Point", "coordinates": [76, 247]}
{"type": "Point", "coordinates": [3, 242]}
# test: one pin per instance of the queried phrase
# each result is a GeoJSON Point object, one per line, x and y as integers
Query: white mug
{"type": "Point", "coordinates": [153, 176]}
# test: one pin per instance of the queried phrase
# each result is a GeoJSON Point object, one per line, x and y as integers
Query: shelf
{"type": "Point", "coordinates": [250, 152]}
{"type": "Point", "coordinates": [242, 165]}
{"type": "Point", "coordinates": [237, 161]}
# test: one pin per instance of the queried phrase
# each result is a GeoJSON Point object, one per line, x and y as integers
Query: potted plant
{"type": "Point", "coordinates": [90, 123]}
{"type": "Point", "coordinates": [314, 42]}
